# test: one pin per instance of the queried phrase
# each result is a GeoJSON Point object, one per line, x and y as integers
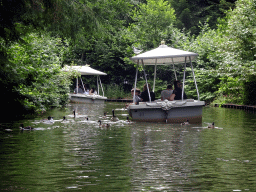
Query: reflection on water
{"type": "Point", "coordinates": [79, 155]}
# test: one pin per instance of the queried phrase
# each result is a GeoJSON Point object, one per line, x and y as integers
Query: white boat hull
{"type": "Point", "coordinates": [82, 98]}
{"type": "Point", "coordinates": [168, 111]}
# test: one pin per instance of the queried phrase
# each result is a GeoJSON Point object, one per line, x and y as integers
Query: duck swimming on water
{"type": "Point", "coordinates": [105, 115]}
{"type": "Point", "coordinates": [185, 123]}
{"type": "Point", "coordinates": [103, 125]}
{"type": "Point", "coordinates": [64, 119]}
{"type": "Point", "coordinates": [49, 120]}
{"type": "Point", "coordinates": [87, 121]}
{"type": "Point", "coordinates": [114, 118]}
{"type": "Point", "coordinates": [28, 128]}
{"type": "Point", "coordinates": [211, 125]}
{"type": "Point", "coordinates": [128, 121]}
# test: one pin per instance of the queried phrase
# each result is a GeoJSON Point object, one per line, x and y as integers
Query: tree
{"type": "Point", "coordinates": [193, 12]}
{"type": "Point", "coordinates": [37, 67]}
{"type": "Point", "coordinates": [19, 80]}
{"type": "Point", "coordinates": [65, 18]}
{"type": "Point", "coordinates": [151, 22]}
{"type": "Point", "coordinates": [237, 52]}
{"type": "Point", "coordinates": [108, 48]}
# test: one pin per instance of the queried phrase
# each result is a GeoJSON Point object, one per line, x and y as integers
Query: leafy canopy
{"type": "Point", "coordinates": [151, 22]}
{"type": "Point", "coordinates": [37, 63]}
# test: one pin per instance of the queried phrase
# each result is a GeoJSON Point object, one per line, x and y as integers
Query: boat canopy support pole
{"type": "Point", "coordinates": [77, 85]}
{"type": "Point", "coordinates": [146, 80]}
{"type": "Point", "coordinates": [137, 68]}
{"type": "Point", "coordinates": [174, 70]}
{"type": "Point", "coordinates": [82, 83]}
{"type": "Point", "coordinates": [154, 77]}
{"type": "Point", "coordinates": [184, 74]}
{"type": "Point", "coordinates": [101, 87]}
{"type": "Point", "coordinates": [194, 78]}
{"type": "Point", "coordinates": [98, 84]}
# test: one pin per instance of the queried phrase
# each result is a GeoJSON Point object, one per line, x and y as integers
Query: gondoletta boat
{"type": "Point", "coordinates": [177, 111]}
{"type": "Point", "coordinates": [85, 98]}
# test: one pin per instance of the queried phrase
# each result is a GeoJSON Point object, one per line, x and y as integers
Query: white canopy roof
{"type": "Point", "coordinates": [164, 55]}
{"type": "Point", "coordinates": [83, 69]}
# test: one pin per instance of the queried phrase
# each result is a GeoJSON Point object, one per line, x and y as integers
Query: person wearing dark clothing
{"type": "Point", "coordinates": [80, 90]}
{"type": "Point", "coordinates": [177, 93]}
{"type": "Point", "coordinates": [144, 95]}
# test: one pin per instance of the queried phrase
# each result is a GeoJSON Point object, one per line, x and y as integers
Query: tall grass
{"type": "Point", "coordinates": [114, 91]}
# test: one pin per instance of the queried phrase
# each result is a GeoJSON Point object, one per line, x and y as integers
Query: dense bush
{"type": "Point", "coordinates": [36, 65]}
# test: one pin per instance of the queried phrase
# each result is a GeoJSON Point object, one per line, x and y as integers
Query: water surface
{"type": "Point", "coordinates": [78, 155]}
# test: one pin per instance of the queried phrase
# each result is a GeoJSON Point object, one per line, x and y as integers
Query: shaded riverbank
{"type": "Point", "coordinates": [236, 106]}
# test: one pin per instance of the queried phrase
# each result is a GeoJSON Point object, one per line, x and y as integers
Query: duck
{"type": "Point", "coordinates": [128, 121]}
{"type": "Point", "coordinates": [49, 120]}
{"type": "Point", "coordinates": [114, 118]}
{"type": "Point", "coordinates": [103, 125]}
{"type": "Point", "coordinates": [22, 128]}
{"type": "Point", "coordinates": [104, 116]}
{"type": "Point", "coordinates": [185, 123]}
{"type": "Point", "coordinates": [211, 126]}
{"type": "Point", "coordinates": [65, 120]}
{"type": "Point", "coordinates": [87, 121]}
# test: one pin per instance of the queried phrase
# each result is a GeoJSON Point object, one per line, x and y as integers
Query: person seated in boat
{"type": "Point", "coordinates": [137, 98]}
{"type": "Point", "coordinates": [144, 95]}
{"type": "Point", "coordinates": [166, 94]}
{"type": "Point", "coordinates": [177, 92]}
{"type": "Point", "coordinates": [92, 91]}
{"type": "Point", "coordinates": [80, 90]}
{"type": "Point", "coordinates": [86, 89]}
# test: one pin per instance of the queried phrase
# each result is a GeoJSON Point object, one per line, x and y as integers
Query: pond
{"type": "Point", "coordinates": [78, 155]}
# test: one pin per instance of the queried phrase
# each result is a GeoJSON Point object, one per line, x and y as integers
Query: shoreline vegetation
{"type": "Point", "coordinates": [39, 37]}
{"type": "Point", "coordinates": [236, 106]}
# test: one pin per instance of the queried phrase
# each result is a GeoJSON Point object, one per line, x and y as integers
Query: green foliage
{"type": "Point", "coordinates": [114, 91]}
{"type": "Point", "coordinates": [207, 77]}
{"type": "Point", "coordinates": [108, 48]}
{"type": "Point", "coordinates": [110, 55]}
{"type": "Point", "coordinates": [190, 13]}
{"type": "Point", "coordinates": [149, 26]}
{"type": "Point", "coordinates": [207, 83]}
{"type": "Point", "coordinates": [250, 91]}
{"type": "Point", "coordinates": [37, 65]}
{"type": "Point", "coordinates": [102, 33]}
{"type": "Point", "coordinates": [221, 99]}
{"type": "Point", "coordinates": [237, 52]}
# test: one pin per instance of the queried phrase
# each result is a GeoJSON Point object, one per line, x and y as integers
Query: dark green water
{"type": "Point", "coordinates": [79, 155]}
